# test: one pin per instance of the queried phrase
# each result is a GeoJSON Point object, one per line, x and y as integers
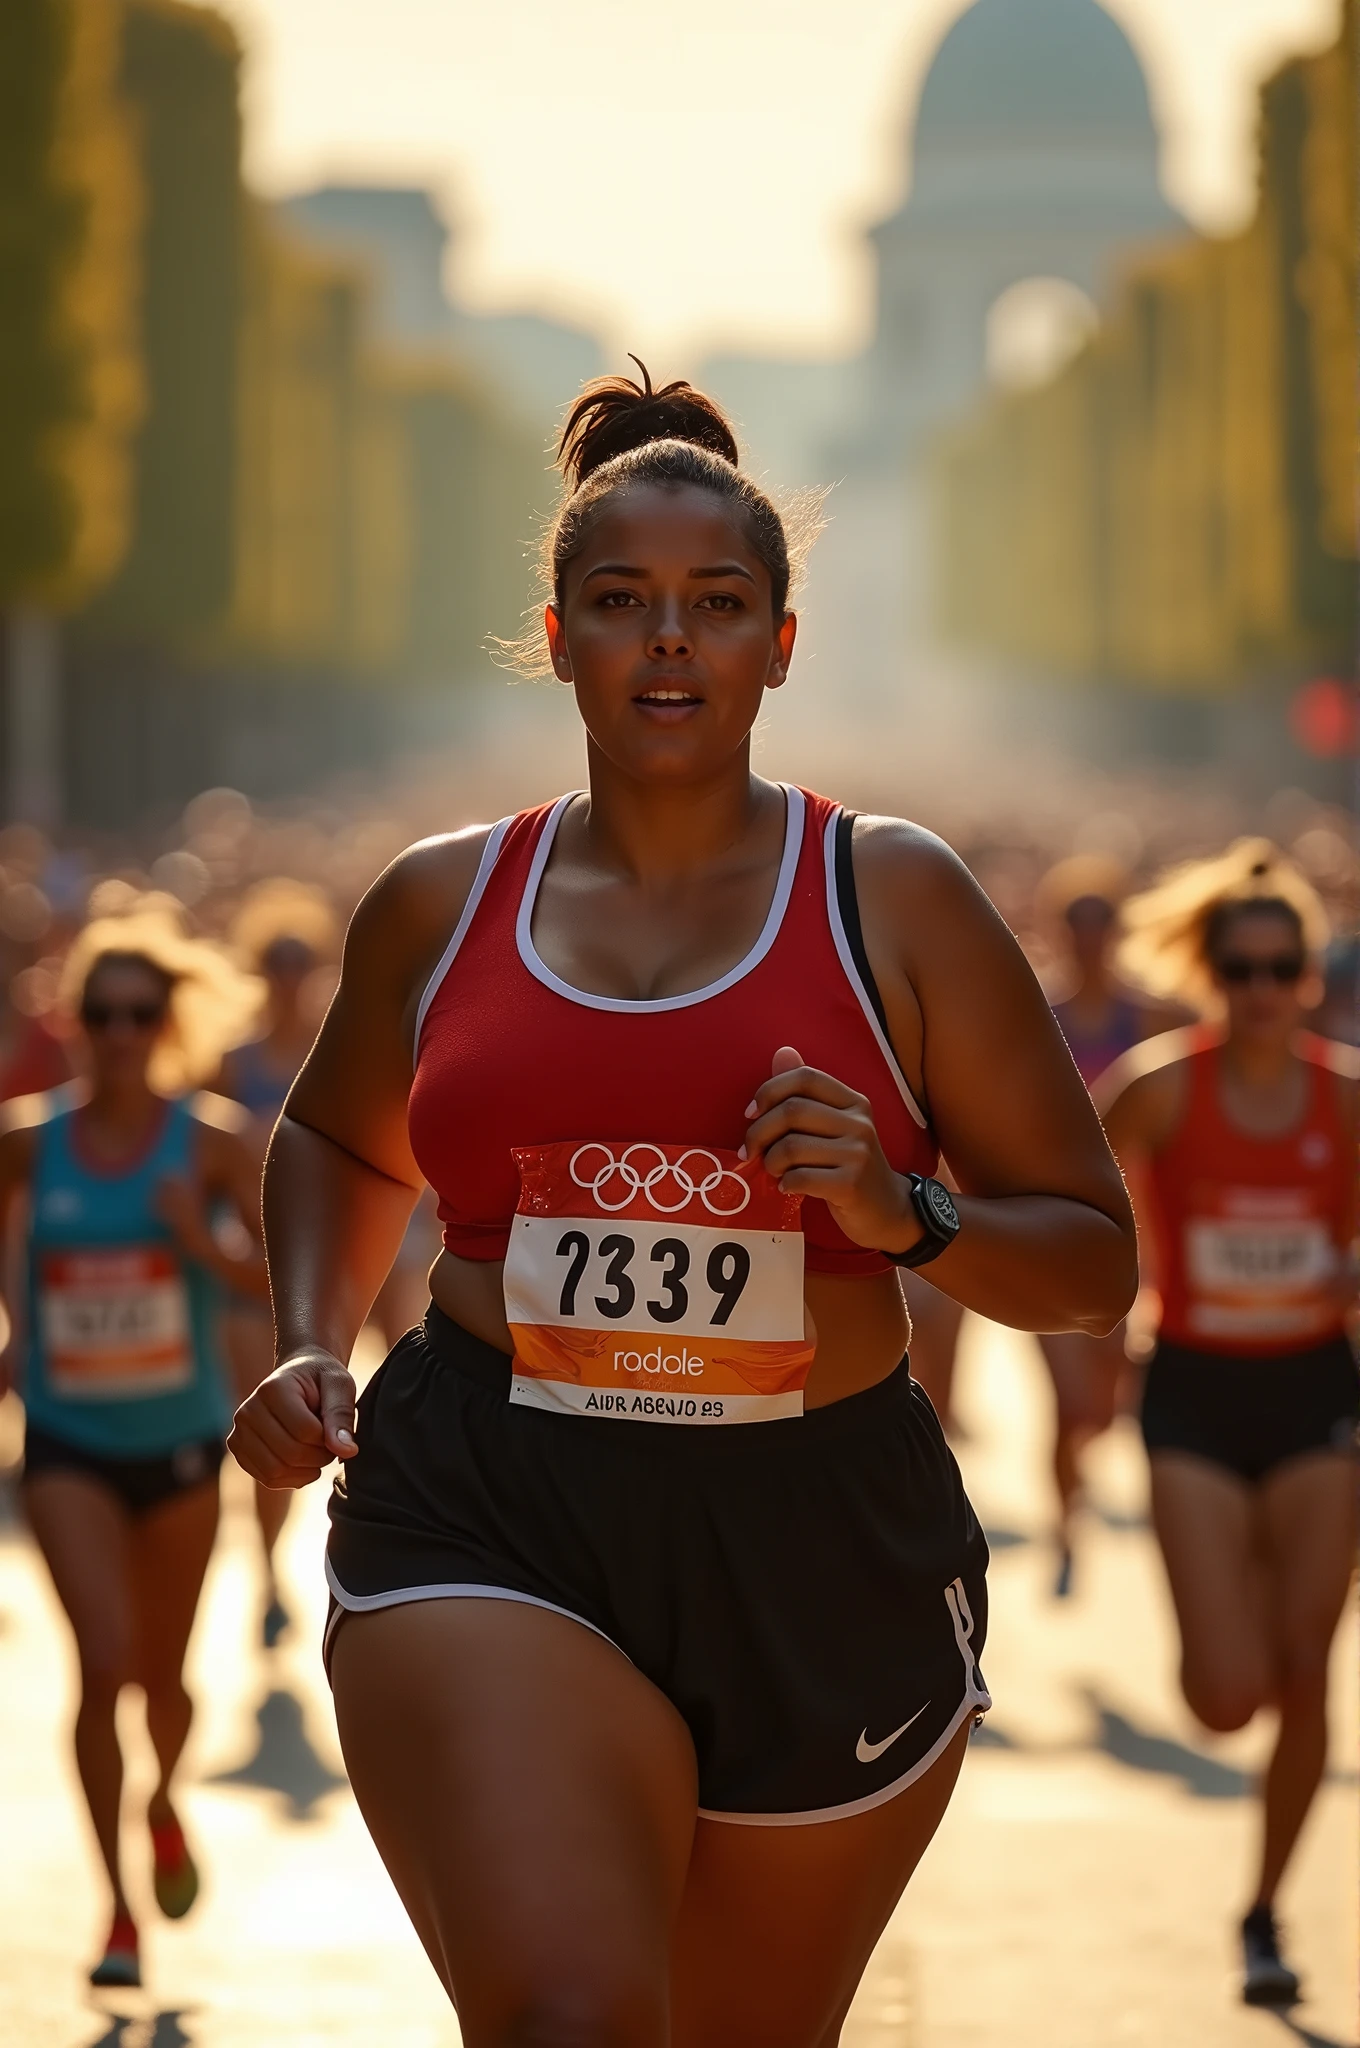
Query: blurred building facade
{"type": "Point", "coordinates": [1175, 509]}
{"type": "Point", "coordinates": [267, 529]}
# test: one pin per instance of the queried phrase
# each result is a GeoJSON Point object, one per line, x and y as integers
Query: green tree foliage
{"type": "Point", "coordinates": [180, 71]}
{"type": "Point", "coordinates": [70, 387]}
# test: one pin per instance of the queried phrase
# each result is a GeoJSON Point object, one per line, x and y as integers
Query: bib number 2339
{"type": "Point", "coordinates": [658, 1283]}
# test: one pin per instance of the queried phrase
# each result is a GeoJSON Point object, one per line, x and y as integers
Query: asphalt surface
{"type": "Point", "coordinates": [1082, 1892]}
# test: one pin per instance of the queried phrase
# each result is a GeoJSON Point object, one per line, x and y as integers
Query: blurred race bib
{"type": "Point", "coordinates": [114, 1323]}
{"type": "Point", "coordinates": [1259, 1266]}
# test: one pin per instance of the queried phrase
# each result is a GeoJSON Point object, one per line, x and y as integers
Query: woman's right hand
{"type": "Point", "coordinates": [296, 1421]}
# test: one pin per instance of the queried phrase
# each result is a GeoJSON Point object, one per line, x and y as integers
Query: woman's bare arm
{"type": "Point", "coordinates": [1047, 1241]}
{"type": "Point", "coordinates": [340, 1182]}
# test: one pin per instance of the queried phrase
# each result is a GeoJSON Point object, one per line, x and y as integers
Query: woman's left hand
{"type": "Point", "coordinates": [816, 1137]}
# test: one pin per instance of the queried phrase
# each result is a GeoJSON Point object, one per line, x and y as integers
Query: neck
{"type": "Point", "coordinates": [127, 1106]}
{"type": "Point", "coordinates": [655, 833]}
{"type": "Point", "coordinates": [1257, 1065]}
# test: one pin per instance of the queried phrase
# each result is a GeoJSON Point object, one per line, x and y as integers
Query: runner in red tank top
{"type": "Point", "coordinates": [657, 1601]}
{"type": "Point", "coordinates": [1241, 1143]}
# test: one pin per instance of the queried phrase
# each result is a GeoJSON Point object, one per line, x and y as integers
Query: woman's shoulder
{"type": "Point", "coordinates": [1146, 1087]}
{"type": "Point", "coordinates": [422, 892]}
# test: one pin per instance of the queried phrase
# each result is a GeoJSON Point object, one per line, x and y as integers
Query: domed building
{"type": "Point", "coordinates": [1034, 155]}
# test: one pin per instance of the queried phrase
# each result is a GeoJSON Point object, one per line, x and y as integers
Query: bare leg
{"type": "Point", "coordinates": [1308, 1517]}
{"type": "Point", "coordinates": [83, 1532]}
{"type": "Point", "coordinates": [1205, 1518]}
{"type": "Point", "coordinates": [170, 1547]}
{"type": "Point", "coordinates": [777, 1924]}
{"type": "Point", "coordinates": [534, 1800]}
{"type": "Point", "coordinates": [1086, 1372]}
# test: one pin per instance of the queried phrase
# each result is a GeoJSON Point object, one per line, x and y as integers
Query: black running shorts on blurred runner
{"type": "Point", "coordinates": [809, 1593]}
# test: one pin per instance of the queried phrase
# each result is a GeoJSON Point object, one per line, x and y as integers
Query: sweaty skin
{"type": "Point", "coordinates": [658, 883]}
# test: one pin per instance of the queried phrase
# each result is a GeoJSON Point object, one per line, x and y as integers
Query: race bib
{"type": "Point", "coordinates": [655, 1283]}
{"type": "Point", "coordinates": [1260, 1267]}
{"type": "Point", "coordinates": [114, 1323]}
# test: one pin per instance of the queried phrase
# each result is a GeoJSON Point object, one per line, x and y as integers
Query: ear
{"type": "Point", "coordinates": [557, 643]}
{"type": "Point", "coordinates": [785, 634]}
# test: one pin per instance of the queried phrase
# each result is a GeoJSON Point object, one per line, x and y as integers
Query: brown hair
{"type": "Point", "coordinates": [620, 433]}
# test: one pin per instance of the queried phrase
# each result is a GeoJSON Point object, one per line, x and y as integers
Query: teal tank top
{"type": "Point", "coordinates": [122, 1332]}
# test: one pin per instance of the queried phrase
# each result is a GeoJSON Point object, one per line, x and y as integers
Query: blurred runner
{"type": "Point", "coordinates": [657, 1617]}
{"type": "Point", "coordinates": [285, 932]}
{"type": "Point", "coordinates": [126, 1408]}
{"type": "Point", "coordinates": [1242, 1145]}
{"type": "Point", "coordinates": [1101, 1017]}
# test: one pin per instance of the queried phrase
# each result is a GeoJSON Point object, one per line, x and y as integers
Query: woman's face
{"type": "Point", "coordinates": [667, 633]}
{"type": "Point", "coordinates": [1261, 970]}
{"type": "Point", "coordinates": [1090, 925]}
{"type": "Point", "coordinates": [123, 1012]}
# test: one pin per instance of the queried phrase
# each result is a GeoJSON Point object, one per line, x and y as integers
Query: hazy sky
{"type": "Point", "coordinates": [688, 174]}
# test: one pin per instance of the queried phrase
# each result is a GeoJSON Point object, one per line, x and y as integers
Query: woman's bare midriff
{"type": "Point", "coordinates": [861, 1324]}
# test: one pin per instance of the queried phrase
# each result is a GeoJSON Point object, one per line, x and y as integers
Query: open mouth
{"type": "Point", "coordinates": [669, 698]}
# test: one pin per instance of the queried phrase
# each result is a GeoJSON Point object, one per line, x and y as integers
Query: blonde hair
{"type": "Point", "coordinates": [281, 908]}
{"type": "Point", "coordinates": [212, 1004]}
{"type": "Point", "coordinates": [1171, 929]}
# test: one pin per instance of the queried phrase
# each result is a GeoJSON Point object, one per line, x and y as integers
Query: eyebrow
{"type": "Point", "coordinates": [630, 569]}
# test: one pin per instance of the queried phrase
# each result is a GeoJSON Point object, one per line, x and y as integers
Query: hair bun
{"type": "Point", "coordinates": [615, 414]}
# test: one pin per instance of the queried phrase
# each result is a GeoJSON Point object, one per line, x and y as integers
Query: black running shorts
{"type": "Point", "coordinates": [140, 1483]}
{"type": "Point", "coordinates": [1251, 1414]}
{"type": "Point", "coordinates": [809, 1593]}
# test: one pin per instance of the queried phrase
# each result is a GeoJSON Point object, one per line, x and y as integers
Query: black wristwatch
{"type": "Point", "coordinates": [939, 1219]}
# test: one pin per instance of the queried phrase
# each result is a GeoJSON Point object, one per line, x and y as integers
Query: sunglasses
{"type": "Point", "coordinates": [142, 1016]}
{"type": "Point", "coordinates": [1284, 970]}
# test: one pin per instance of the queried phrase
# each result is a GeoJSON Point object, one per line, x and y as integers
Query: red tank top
{"type": "Point", "coordinates": [508, 1055]}
{"type": "Point", "coordinates": [1248, 1229]}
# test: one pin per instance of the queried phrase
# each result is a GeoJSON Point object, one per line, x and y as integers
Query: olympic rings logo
{"type": "Point", "coordinates": [634, 1183]}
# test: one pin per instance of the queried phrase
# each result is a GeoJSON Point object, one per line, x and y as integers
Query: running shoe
{"type": "Point", "coordinates": [120, 1965]}
{"type": "Point", "coordinates": [174, 1872]}
{"type": "Point", "coordinates": [1266, 1978]}
{"type": "Point", "coordinates": [277, 1620]}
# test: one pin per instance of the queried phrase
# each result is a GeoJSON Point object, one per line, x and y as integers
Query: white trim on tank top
{"type": "Point", "coordinates": [479, 881]}
{"type": "Point", "coordinates": [852, 973]}
{"type": "Point", "coordinates": [795, 809]}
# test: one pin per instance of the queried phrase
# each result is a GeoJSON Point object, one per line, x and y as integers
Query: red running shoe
{"type": "Point", "coordinates": [174, 1872]}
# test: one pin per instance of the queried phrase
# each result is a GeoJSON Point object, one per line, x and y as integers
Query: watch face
{"type": "Point", "coordinates": [940, 1205]}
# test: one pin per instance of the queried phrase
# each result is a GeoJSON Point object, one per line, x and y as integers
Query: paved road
{"type": "Point", "coordinates": [1080, 1894]}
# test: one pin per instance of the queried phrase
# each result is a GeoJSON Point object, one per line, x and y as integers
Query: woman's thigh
{"type": "Point", "coordinates": [83, 1532]}
{"type": "Point", "coordinates": [1206, 1521]}
{"type": "Point", "coordinates": [1308, 1522]}
{"type": "Point", "coordinates": [533, 1798]}
{"type": "Point", "coordinates": [170, 1546]}
{"type": "Point", "coordinates": [777, 1924]}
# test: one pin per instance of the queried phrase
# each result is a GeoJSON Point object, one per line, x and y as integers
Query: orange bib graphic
{"type": "Point", "coordinates": [1258, 1262]}
{"type": "Point", "coordinates": [114, 1324]}
{"type": "Point", "coordinates": [659, 1283]}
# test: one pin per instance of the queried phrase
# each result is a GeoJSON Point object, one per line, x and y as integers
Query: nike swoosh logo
{"type": "Point", "coordinates": [869, 1752]}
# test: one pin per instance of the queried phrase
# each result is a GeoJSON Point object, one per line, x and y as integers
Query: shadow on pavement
{"type": "Point", "coordinates": [152, 2030]}
{"type": "Point", "coordinates": [1306, 2035]}
{"type": "Point", "coordinates": [284, 1762]}
{"type": "Point", "coordinates": [1138, 1750]}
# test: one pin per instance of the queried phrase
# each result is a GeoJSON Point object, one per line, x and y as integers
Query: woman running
{"type": "Point", "coordinates": [126, 1408]}
{"type": "Point", "coordinates": [657, 1601]}
{"type": "Point", "coordinates": [1242, 1145]}
{"type": "Point", "coordinates": [1101, 1017]}
{"type": "Point", "coordinates": [283, 932]}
